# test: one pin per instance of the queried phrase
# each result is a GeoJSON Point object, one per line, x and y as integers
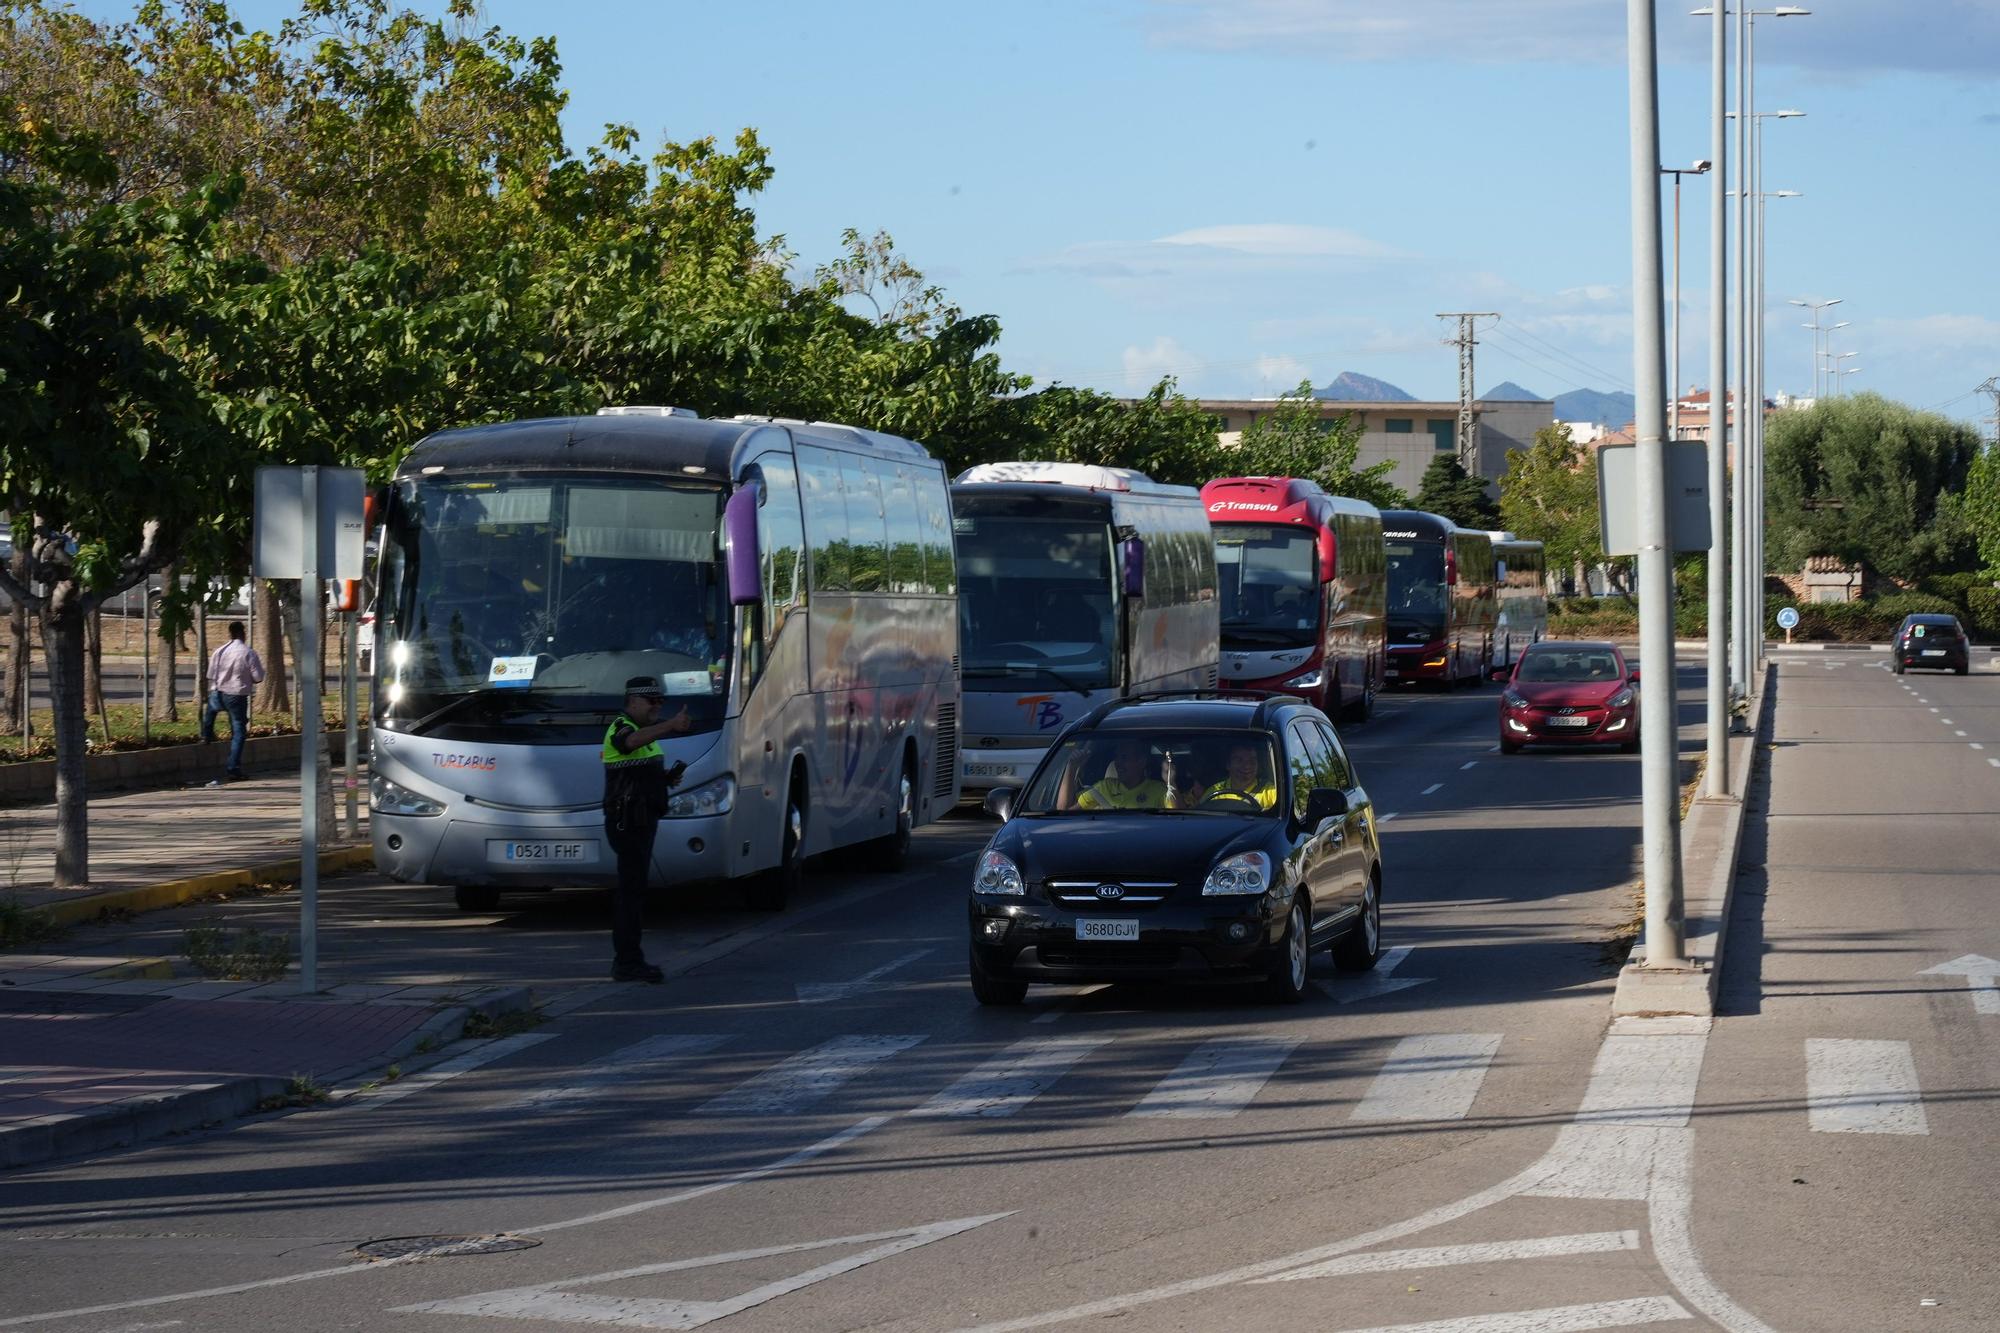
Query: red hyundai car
{"type": "Point", "coordinates": [1570, 694]}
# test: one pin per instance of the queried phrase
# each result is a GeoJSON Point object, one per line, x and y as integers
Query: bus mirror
{"type": "Point", "coordinates": [739, 529]}
{"type": "Point", "coordinates": [1451, 568]}
{"type": "Point", "coordinates": [1329, 556]}
{"type": "Point", "coordinates": [1135, 567]}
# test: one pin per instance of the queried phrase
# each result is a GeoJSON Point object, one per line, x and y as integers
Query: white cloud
{"type": "Point", "coordinates": [1163, 358]}
{"type": "Point", "coordinates": [1939, 333]}
{"type": "Point", "coordinates": [1227, 250]}
{"type": "Point", "coordinates": [1289, 240]}
{"type": "Point", "coordinates": [1282, 373]}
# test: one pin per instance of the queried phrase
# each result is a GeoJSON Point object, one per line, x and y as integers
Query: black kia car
{"type": "Point", "coordinates": [1180, 837]}
{"type": "Point", "coordinates": [1936, 642]}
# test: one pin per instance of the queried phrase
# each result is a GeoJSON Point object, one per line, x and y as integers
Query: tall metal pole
{"type": "Point", "coordinates": [1757, 339]}
{"type": "Point", "coordinates": [1674, 384]}
{"type": "Point", "coordinates": [1718, 414]}
{"type": "Point", "coordinates": [310, 594]}
{"type": "Point", "coordinates": [146, 657]}
{"type": "Point", "coordinates": [1740, 475]}
{"type": "Point", "coordinates": [348, 690]}
{"type": "Point", "coordinates": [1659, 748]}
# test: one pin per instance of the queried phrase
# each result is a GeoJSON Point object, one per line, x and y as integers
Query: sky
{"type": "Point", "coordinates": [1246, 193]}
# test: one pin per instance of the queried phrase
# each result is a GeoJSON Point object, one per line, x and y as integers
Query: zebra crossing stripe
{"type": "Point", "coordinates": [628, 1064]}
{"type": "Point", "coordinates": [1863, 1087]}
{"type": "Point", "coordinates": [1556, 1319]}
{"type": "Point", "coordinates": [1218, 1079]}
{"type": "Point", "coordinates": [809, 1077]}
{"type": "Point", "coordinates": [1643, 1080]}
{"type": "Point", "coordinates": [1432, 1077]}
{"type": "Point", "coordinates": [1012, 1079]}
{"type": "Point", "coordinates": [1447, 1256]}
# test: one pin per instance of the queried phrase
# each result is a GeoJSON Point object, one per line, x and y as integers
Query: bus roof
{"type": "Point", "coordinates": [677, 444]}
{"type": "Point", "coordinates": [1082, 476]}
{"type": "Point", "coordinates": [1277, 500]}
{"type": "Point", "coordinates": [1417, 523]}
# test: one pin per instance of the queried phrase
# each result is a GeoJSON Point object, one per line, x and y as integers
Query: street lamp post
{"type": "Point", "coordinates": [1816, 307]}
{"type": "Point", "coordinates": [1700, 168]}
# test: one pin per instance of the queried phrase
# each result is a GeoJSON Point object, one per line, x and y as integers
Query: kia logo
{"type": "Point", "coordinates": [1111, 892]}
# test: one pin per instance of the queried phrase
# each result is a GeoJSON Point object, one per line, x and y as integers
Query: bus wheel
{"type": "Point", "coordinates": [476, 897]}
{"type": "Point", "coordinates": [888, 852]}
{"type": "Point", "coordinates": [770, 891]}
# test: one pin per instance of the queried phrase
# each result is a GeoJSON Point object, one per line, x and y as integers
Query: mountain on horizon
{"type": "Point", "coordinates": [1509, 392]}
{"type": "Point", "coordinates": [1351, 387]}
{"type": "Point", "coordinates": [1605, 409]}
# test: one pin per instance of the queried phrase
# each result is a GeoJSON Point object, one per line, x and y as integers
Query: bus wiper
{"type": "Point", "coordinates": [508, 700]}
{"type": "Point", "coordinates": [1060, 679]}
{"type": "Point", "coordinates": [440, 713]}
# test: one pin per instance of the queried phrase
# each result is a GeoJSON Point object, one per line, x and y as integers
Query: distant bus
{"type": "Point", "coordinates": [1077, 584]}
{"type": "Point", "coordinates": [1443, 603]}
{"type": "Point", "coordinates": [1305, 584]}
{"type": "Point", "coordinates": [790, 585]}
{"type": "Point", "coordinates": [1521, 575]}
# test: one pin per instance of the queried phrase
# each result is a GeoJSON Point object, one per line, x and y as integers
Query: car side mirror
{"type": "Point", "coordinates": [999, 803]}
{"type": "Point", "coordinates": [1324, 803]}
{"type": "Point", "coordinates": [1633, 678]}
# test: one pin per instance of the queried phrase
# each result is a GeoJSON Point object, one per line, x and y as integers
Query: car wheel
{"type": "Point", "coordinates": [770, 891]}
{"type": "Point", "coordinates": [1363, 708]}
{"type": "Point", "coordinates": [1961, 670]}
{"type": "Point", "coordinates": [476, 897]}
{"type": "Point", "coordinates": [1897, 668]}
{"type": "Point", "coordinates": [1286, 981]}
{"type": "Point", "coordinates": [991, 990]}
{"type": "Point", "coordinates": [1361, 947]}
{"type": "Point", "coordinates": [887, 853]}
{"type": "Point", "coordinates": [1509, 747]}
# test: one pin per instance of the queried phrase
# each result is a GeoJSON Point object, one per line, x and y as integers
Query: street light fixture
{"type": "Point", "coordinates": [1816, 307]}
{"type": "Point", "coordinates": [1700, 168]}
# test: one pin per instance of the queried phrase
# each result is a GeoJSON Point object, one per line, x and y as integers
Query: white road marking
{"type": "Point", "coordinates": [1378, 981]}
{"type": "Point", "coordinates": [438, 1073]}
{"type": "Point", "coordinates": [1218, 1079]}
{"type": "Point", "coordinates": [1933, 710]}
{"type": "Point", "coordinates": [1958, 733]}
{"type": "Point", "coordinates": [1643, 1080]}
{"type": "Point", "coordinates": [1467, 764]}
{"type": "Point", "coordinates": [1433, 787]}
{"type": "Point", "coordinates": [628, 1064]}
{"type": "Point", "coordinates": [1975, 745]}
{"type": "Point", "coordinates": [1012, 1079]}
{"type": "Point", "coordinates": [1447, 1256]}
{"type": "Point", "coordinates": [821, 992]}
{"type": "Point", "coordinates": [551, 1301]}
{"type": "Point", "coordinates": [1555, 1319]}
{"type": "Point", "coordinates": [808, 1078]}
{"type": "Point", "coordinates": [1430, 1078]}
{"type": "Point", "coordinates": [1994, 762]}
{"type": "Point", "coordinates": [1922, 700]}
{"type": "Point", "coordinates": [1982, 978]}
{"type": "Point", "coordinates": [1863, 1087]}
{"type": "Point", "coordinates": [1386, 818]}
{"type": "Point", "coordinates": [1945, 720]}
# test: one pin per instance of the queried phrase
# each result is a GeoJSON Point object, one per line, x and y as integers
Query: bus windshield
{"type": "Point", "coordinates": [1416, 591]}
{"type": "Point", "coordinates": [1269, 585]}
{"type": "Point", "coordinates": [1035, 602]}
{"type": "Point", "coordinates": [507, 598]}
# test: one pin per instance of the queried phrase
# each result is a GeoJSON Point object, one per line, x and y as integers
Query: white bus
{"type": "Point", "coordinates": [792, 586]}
{"type": "Point", "coordinates": [1077, 584]}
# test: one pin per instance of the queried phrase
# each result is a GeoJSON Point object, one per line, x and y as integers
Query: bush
{"type": "Point", "coordinates": [1982, 608]}
{"type": "Point", "coordinates": [1897, 605]}
{"type": "Point", "coordinates": [250, 956]}
{"type": "Point", "coordinates": [1953, 588]}
{"type": "Point", "coordinates": [1579, 606]}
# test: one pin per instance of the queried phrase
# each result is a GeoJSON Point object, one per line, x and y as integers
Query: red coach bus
{"type": "Point", "coordinates": [1443, 599]}
{"type": "Point", "coordinates": [1303, 584]}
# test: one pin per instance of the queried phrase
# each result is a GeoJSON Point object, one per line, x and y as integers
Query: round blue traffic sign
{"type": "Point", "coordinates": [1788, 618]}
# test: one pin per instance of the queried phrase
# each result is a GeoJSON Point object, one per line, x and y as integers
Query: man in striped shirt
{"type": "Point", "coordinates": [233, 671]}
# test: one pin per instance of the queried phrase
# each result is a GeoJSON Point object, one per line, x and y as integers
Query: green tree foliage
{"type": "Point", "coordinates": [1291, 440]}
{"type": "Point", "coordinates": [1868, 480]}
{"type": "Point", "coordinates": [1977, 507]}
{"type": "Point", "coordinates": [1449, 490]}
{"type": "Point", "coordinates": [1163, 434]}
{"type": "Point", "coordinates": [1549, 495]}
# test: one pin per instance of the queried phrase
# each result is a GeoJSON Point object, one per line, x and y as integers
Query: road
{"type": "Point", "coordinates": [819, 1130]}
{"type": "Point", "coordinates": [124, 680]}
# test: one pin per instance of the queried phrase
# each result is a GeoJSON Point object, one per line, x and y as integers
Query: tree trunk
{"type": "Point", "coordinates": [16, 690]}
{"type": "Point", "coordinates": [62, 644]}
{"type": "Point", "coordinates": [288, 609]}
{"type": "Point", "coordinates": [166, 703]}
{"type": "Point", "coordinates": [93, 661]}
{"type": "Point", "coordinates": [273, 696]}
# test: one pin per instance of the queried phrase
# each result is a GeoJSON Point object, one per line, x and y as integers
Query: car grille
{"type": "Point", "coordinates": [1083, 892]}
{"type": "Point", "coordinates": [1095, 955]}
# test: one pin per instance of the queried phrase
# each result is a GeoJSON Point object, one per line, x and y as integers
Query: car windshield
{"type": "Point", "coordinates": [1569, 665]}
{"type": "Point", "coordinates": [1269, 585]}
{"type": "Point", "coordinates": [1417, 592]}
{"type": "Point", "coordinates": [510, 600]}
{"type": "Point", "coordinates": [1156, 773]}
{"type": "Point", "coordinates": [1035, 601]}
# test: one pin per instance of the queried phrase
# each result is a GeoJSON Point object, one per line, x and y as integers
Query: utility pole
{"type": "Point", "coordinates": [1717, 742]}
{"type": "Point", "coordinates": [1467, 339]}
{"type": "Point", "coordinates": [1992, 389]}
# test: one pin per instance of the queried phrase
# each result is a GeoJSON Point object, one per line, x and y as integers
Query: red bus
{"type": "Point", "coordinates": [1303, 584]}
{"type": "Point", "coordinates": [1443, 599]}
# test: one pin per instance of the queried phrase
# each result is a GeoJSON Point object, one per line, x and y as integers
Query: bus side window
{"type": "Point", "coordinates": [905, 527]}
{"type": "Point", "coordinates": [940, 557]}
{"type": "Point", "coordinates": [825, 518]}
{"type": "Point", "coordinates": [866, 533]}
{"type": "Point", "coordinates": [782, 537]}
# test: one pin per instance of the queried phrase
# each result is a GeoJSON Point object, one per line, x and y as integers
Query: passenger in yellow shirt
{"type": "Point", "coordinates": [1245, 780]}
{"type": "Point", "coordinates": [1127, 786]}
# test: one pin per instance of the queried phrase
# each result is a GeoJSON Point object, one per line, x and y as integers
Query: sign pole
{"type": "Point", "coordinates": [309, 737]}
{"type": "Point", "coordinates": [348, 690]}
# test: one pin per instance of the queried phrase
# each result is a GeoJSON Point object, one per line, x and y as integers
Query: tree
{"type": "Point", "coordinates": [1977, 507]}
{"type": "Point", "coordinates": [1292, 440]}
{"type": "Point", "coordinates": [1869, 480]}
{"type": "Point", "coordinates": [1549, 495]}
{"type": "Point", "coordinates": [1162, 434]}
{"type": "Point", "coordinates": [1447, 489]}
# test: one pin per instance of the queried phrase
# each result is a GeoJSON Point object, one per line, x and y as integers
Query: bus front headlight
{"type": "Point", "coordinates": [389, 798]}
{"type": "Point", "coordinates": [710, 798]}
{"type": "Point", "coordinates": [1308, 680]}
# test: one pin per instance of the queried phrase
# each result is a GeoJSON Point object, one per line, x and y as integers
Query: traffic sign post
{"type": "Point", "coordinates": [1788, 620]}
{"type": "Point", "coordinates": [308, 525]}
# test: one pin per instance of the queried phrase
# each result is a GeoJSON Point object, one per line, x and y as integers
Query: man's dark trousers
{"type": "Point", "coordinates": [632, 840]}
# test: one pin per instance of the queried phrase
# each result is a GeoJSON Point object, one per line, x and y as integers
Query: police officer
{"type": "Point", "coordinates": [636, 783]}
{"type": "Point", "coordinates": [1126, 786]}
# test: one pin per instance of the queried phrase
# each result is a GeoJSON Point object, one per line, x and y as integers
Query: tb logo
{"type": "Point", "coordinates": [1044, 710]}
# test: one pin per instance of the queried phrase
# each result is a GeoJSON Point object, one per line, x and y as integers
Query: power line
{"type": "Point", "coordinates": [1596, 372]}
{"type": "Point", "coordinates": [1539, 367]}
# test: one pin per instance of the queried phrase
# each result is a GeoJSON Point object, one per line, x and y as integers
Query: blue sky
{"type": "Point", "coordinates": [1244, 193]}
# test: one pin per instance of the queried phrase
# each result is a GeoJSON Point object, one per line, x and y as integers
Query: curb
{"type": "Point", "coordinates": [174, 892]}
{"type": "Point", "coordinates": [199, 1105]}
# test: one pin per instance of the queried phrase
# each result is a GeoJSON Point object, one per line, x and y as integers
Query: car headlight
{"type": "Point", "coordinates": [710, 798]}
{"type": "Point", "coordinates": [1514, 700]}
{"type": "Point", "coordinates": [998, 874]}
{"type": "Point", "coordinates": [1308, 680]}
{"type": "Point", "coordinates": [1622, 699]}
{"type": "Point", "coordinates": [1245, 872]}
{"type": "Point", "coordinates": [389, 798]}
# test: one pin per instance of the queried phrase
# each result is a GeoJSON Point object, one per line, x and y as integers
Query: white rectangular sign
{"type": "Point", "coordinates": [278, 523]}
{"type": "Point", "coordinates": [1687, 497]}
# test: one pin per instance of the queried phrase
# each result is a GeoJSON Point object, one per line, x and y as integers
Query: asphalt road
{"type": "Point", "coordinates": [816, 1128]}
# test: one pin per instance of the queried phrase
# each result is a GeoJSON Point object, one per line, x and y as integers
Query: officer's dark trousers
{"type": "Point", "coordinates": [633, 842]}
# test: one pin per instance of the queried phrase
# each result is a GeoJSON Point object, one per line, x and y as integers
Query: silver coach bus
{"type": "Point", "coordinates": [1077, 584]}
{"type": "Point", "coordinates": [792, 586]}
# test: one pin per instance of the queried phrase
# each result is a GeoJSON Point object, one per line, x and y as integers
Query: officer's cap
{"type": "Point", "coordinates": [644, 687]}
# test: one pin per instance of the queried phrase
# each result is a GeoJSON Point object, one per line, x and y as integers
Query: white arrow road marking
{"type": "Point", "coordinates": [1370, 985]}
{"type": "Point", "coordinates": [1435, 786]}
{"type": "Point", "coordinates": [628, 1064]}
{"type": "Point", "coordinates": [1446, 1256]}
{"type": "Point", "coordinates": [820, 992]}
{"type": "Point", "coordinates": [1555, 1319]}
{"type": "Point", "coordinates": [452, 1068]}
{"type": "Point", "coordinates": [1982, 977]}
{"type": "Point", "coordinates": [808, 1078]}
{"type": "Point", "coordinates": [553, 1301]}
{"type": "Point", "coordinates": [1863, 1087]}
{"type": "Point", "coordinates": [1012, 1079]}
{"type": "Point", "coordinates": [1218, 1079]}
{"type": "Point", "coordinates": [1432, 1077]}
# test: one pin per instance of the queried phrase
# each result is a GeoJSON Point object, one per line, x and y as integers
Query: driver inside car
{"type": "Point", "coordinates": [1127, 784]}
{"type": "Point", "coordinates": [1244, 781]}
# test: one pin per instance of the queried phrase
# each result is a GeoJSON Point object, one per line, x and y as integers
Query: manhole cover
{"type": "Point", "coordinates": [440, 1247]}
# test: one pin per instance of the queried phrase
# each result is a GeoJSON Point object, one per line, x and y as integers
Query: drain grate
{"type": "Point", "coordinates": [440, 1247]}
